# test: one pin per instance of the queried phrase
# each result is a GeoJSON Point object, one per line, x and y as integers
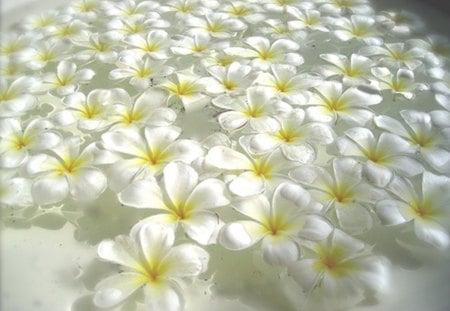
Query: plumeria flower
{"type": "Point", "coordinates": [154, 44]}
{"type": "Point", "coordinates": [423, 137]}
{"type": "Point", "coordinates": [128, 8]}
{"type": "Point", "coordinates": [97, 46]}
{"type": "Point", "coordinates": [43, 21]}
{"type": "Point", "coordinates": [281, 6]}
{"type": "Point", "coordinates": [427, 207]}
{"type": "Point", "coordinates": [358, 27]}
{"type": "Point", "coordinates": [395, 55]}
{"type": "Point", "coordinates": [307, 19]}
{"type": "Point", "coordinates": [436, 49]}
{"type": "Point", "coordinates": [140, 71]}
{"type": "Point", "coordinates": [264, 54]}
{"type": "Point", "coordinates": [150, 264]}
{"type": "Point", "coordinates": [90, 112]}
{"type": "Point", "coordinates": [146, 154]}
{"type": "Point", "coordinates": [199, 45]}
{"type": "Point", "coordinates": [341, 270]}
{"type": "Point", "coordinates": [400, 23]}
{"type": "Point", "coordinates": [221, 59]}
{"type": "Point", "coordinates": [188, 89]}
{"type": "Point", "coordinates": [12, 68]}
{"type": "Point", "coordinates": [84, 9]}
{"type": "Point", "coordinates": [342, 191]}
{"type": "Point", "coordinates": [11, 45]}
{"type": "Point", "coordinates": [354, 70]}
{"type": "Point", "coordinates": [331, 102]}
{"type": "Point", "coordinates": [217, 25]}
{"type": "Point", "coordinates": [258, 110]}
{"type": "Point", "coordinates": [43, 53]}
{"type": "Point", "coordinates": [296, 138]}
{"type": "Point", "coordinates": [441, 118]}
{"type": "Point", "coordinates": [183, 9]}
{"type": "Point", "coordinates": [68, 171]}
{"type": "Point", "coordinates": [15, 97]}
{"type": "Point", "coordinates": [68, 31]}
{"type": "Point", "coordinates": [135, 24]}
{"type": "Point", "coordinates": [233, 80]}
{"type": "Point", "coordinates": [66, 78]}
{"type": "Point", "coordinates": [382, 156]}
{"type": "Point", "coordinates": [14, 191]}
{"type": "Point", "coordinates": [284, 81]}
{"type": "Point", "coordinates": [16, 142]}
{"type": "Point", "coordinates": [251, 13]}
{"type": "Point", "coordinates": [442, 85]}
{"type": "Point", "coordinates": [184, 201]}
{"type": "Point", "coordinates": [278, 29]}
{"type": "Point", "coordinates": [401, 83]}
{"type": "Point", "coordinates": [343, 7]}
{"type": "Point", "coordinates": [251, 175]}
{"type": "Point", "coordinates": [148, 109]}
{"type": "Point", "coordinates": [282, 224]}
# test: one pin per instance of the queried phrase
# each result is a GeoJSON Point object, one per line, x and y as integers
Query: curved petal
{"type": "Point", "coordinates": [209, 193]}
{"type": "Point", "coordinates": [228, 159]}
{"type": "Point", "coordinates": [280, 252]}
{"type": "Point", "coordinates": [189, 260]}
{"type": "Point", "coordinates": [179, 181]}
{"type": "Point", "coordinates": [87, 184]}
{"type": "Point", "coordinates": [48, 190]}
{"type": "Point", "coordinates": [115, 289]}
{"type": "Point", "coordinates": [142, 194]}
{"type": "Point", "coordinates": [168, 298]}
{"type": "Point", "coordinates": [247, 184]}
{"type": "Point", "coordinates": [201, 226]}
{"type": "Point", "coordinates": [240, 235]}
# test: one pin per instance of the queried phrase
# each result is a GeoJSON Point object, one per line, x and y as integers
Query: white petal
{"type": "Point", "coordinates": [280, 253]}
{"type": "Point", "coordinates": [432, 233]}
{"type": "Point", "coordinates": [184, 150]}
{"type": "Point", "coordinates": [247, 184]}
{"type": "Point", "coordinates": [228, 159]}
{"type": "Point", "coordinates": [179, 181]}
{"type": "Point", "coordinates": [303, 153]}
{"type": "Point", "coordinates": [304, 273]}
{"type": "Point", "coordinates": [156, 240]}
{"type": "Point", "coordinates": [355, 219]}
{"type": "Point", "coordinates": [240, 235]}
{"type": "Point", "coordinates": [201, 226]}
{"type": "Point", "coordinates": [115, 289]}
{"type": "Point", "coordinates": [87, 184]}
{"type": "Point", "coordinates": [122, 251]}
{"type": "Point", "coordinates": [373, 273]}
{"type": "Point", "coordinates": [168, 298]}
{"type": "Point", "coordinates": [142, 194]}
{"type": "Point", "coordinates": [48, 190]}
{"type": "Point", "coordinates": [256, 207]}
{"type": "Point", "coordinates": [190, 260]}
{"type": "Point", "coordinates": [122, 173]}
{"type": "Point", "coordinates": [232, 120]}
{"type": "Point", "coordinates": [315, 228]}
{"type": "Point", "coordinates": [377, 174]}
{"type": "Point", "coordinates": [388, 213]}
{"type": "Point", "coordinates": [209, 193]}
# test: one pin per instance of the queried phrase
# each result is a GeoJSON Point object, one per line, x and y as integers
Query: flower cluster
{"type": "Point", "coordinates": [288, 127]}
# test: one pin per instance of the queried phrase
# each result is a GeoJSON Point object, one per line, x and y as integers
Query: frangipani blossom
{"type": "Point", "coordinates": [183, 9]}
{"type": "Point", "coordinates": [282, 225]}
{"type": "Point", "coordinates": [135, 24]}
{"type": "Point", "coordinates": [278, 29]}
{"type": "Point", "coordinates": [249, 175]}
{"type": "Point", "coordinates": [12, 68]}
{"type": "Point", "coordinates": [217, 25]}
{"type": "Point", "coordinates": [354, 70]}
{"type": "Point", "coordinates": [400, 23]}
{"type": "Point", "coordinates": [344, 7]}
{"type": "Point", "coordinates": [249, 12]}
{"type": "Point", "coordinates": [184, 201]}
{"type": "Point", "coordinates": [331, 101]}
{"type": "Point", "coordinates": [146, 155]}
{"type": "Point", "coordinates": [436, 49]}
{"type": "Point", "coordinates": [233, 80]}
{"type": "Point", "coordinates": [258, 110]}
{"type": "Point", "coordinates": [424, 138]}
{"type": "Point", "coordinates": [127, 8]}
{"type": "Point", "coordinates": [280, 6]}
{"type": "Point", "coordinates": [139, 70]}
{"type": "Point", "coordinates": [187, 88]}
{"type": "Point", "coordinates": [69, 30]}
{"type": "Point", "coordinates": [427, 207]}
{"type": "Point", "coordinates": [66, 79]}
{"type": "Point", "coordinates": [395, 55]}
{"type": "Point", "coordinates": [343, 191]}
{"type": "Point", "coordinates": [151, 263]}
{"type": "Point", "coordinates": [43, 21]}
{"type": "Point", "coordinates": [154, 44]}
{"type": "Point", "coordinates": [383, 156]}
{"type": "Point", "coordinates": [263, 53]}
{"type": "Point", "coordinates": [11, 45]}
{"type": "Point", "coordinates": [342, 270]}
{"type": "Point", "coordinates": [97, 46]}
{"type": "Point", "coordinates": [85, 10]}
{"type": "Point", "coordinates": [307, 19]}
{"type": "Point", "coordinates": [358, 27]}
{"type": "Point", "coordinates": [14, 191]}
{"type": "Point", "coordinates": [68, 171]}
{"type": "Point", "coordinates": [16, 142]}
{"type": "Point", "coordinates": [221, 59]}
{"type": "Point", "coordinates": [401, 83]}
{"type": "Point", "coordinates": [296, 138]}
{"type": "Point", "coordinates": [44, 53]}
{"type": "Point", "coordinates": [15, 97]}
{"type": "Point", "coordinates": [199, 45]}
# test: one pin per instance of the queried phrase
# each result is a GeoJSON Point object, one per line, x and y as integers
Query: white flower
{"type": "Point", "coordinates": [12, 68]}
{"type": "Point", "coordinates": [199, 45]}
{"type": "Point", "coordinates": [43, 53]}
{"type": "Point", "coordinates": [422, 136]}
{"type": "Point", "coordinates": [97, 46]}
{"type": "Point", "coordinates": [16, 142]}
{"type": "Point", "coordinates": [278, 29]}
{"type": "Point", "coordinates": [84, 9]}
{"type": "Point", "coordinates": [69, 30]}
{"type": "Point", "coordinates": [66, 78]}
{"type": "Point", "coordinates": [344, 191]}
{"type": "Point", "coordinates": [217, 25]}
{"type": "Point", "coordinates": [221, 59]}
{"type": "Point", "coordinates": [11, 45]}
{"type": "Point", "coordinates": [442, 85]}
{"type": "Point", "coordinates": [330, 101]}
{"type": "Point", "coordinates": [341, 270]}
{"type": "Point", "coordinates": [15, 99]}
{"type": "Point", "coordinates": [14, 191]}
{"type": "Point", "coordinates": [67, 171]}
{"type": "Point", "coordinates": [127, 8]}
{"type": "Point", "coordinates": [296, 137]}
{"type": "Point", "coordinates": [250, 174]}
{"type": "Point", "coordinates": [307, 19]}
{"type": "Point", "coordinates": [381, 156]}
{"type": "Point", "coordinates": [281, 6]}
{"type": "Point", "coordinates": [146, 155]}
{"type": "Point", "coordinates": [150, 263]}
{"type": "Point", "coordinates": [249, 12]}
{"type": "Point", "coordinates": [285, 82]}
{"type": "Point", "coordinates": [282, 225]}
{"type": "Point", "coordinates": [258, 110]}
{"type": "Point", "coordinates": [344, 7]}
{"type": "Point", "coordinates": [357, 27]}
{"type": "Point", "coordinates": [135, 24]}
{"type": "Point", "coordinates": [427, 207]}
{"type": "Point", "coordinates": [233, 80]}
{"type": "Point", "coordinates": [44, 21]}
{"type": "Point", "coordinates": [263, 53]}
{"type": "Point", "coordinates": [186, 8]}
{"type": "Point", "coordinates": [394, 55]}
{"type": "Point", "coordinates": [354, 70]}
{"type": "Point", "coordinates": [155, 44]}
{"type": "Point", "coordinates": [148, 109]}
{"type": "Point", "coordinates": [436, 49]}
{"type": "Point", "coordinates": [401, 83]}
{"type": "Point", "coordinates": [139, 70]}
{"type": "Point", "coordinates": [184, 201]}
{"type": "Point", "coordinates": [400, 23]}
{"type": "Point", "coordinates": [187, 88]}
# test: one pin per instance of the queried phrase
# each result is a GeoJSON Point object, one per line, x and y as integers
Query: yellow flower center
{"type": "Point", "coordinates": [69, 166]}
{"type": "Point", "coordinates": [332, 262]}
{"type": "Point", "coordinates": [265, 55]}
{"type": "Point", "coordinates": [262, 169]}
{"type": "Point", "coordinates": [288, 135]}
{"type": "Point", "coordinates": [230, 85]}
{"type": "Point", "coordinates": [239, 11]}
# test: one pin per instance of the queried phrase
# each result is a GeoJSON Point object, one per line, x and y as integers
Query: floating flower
{"type": "Point", "coordinates": [97, 46]}
{"type": "Point", "coordinates": [427, 207]}
{"type": "Point", "coordinates": [152, 264]}
{"type": "Point", "coordinates": [135, 24]}
{"type": "Point", "coordinates": [155, 44]}
{"type": "Point", "coordinates": [358, 27]}
{"type": "Point", "coordinates": [354, 70]}
{"type": "Point", "coordinates": [307, 19]}
{"type": "Point", "coordinates": [395, 55]}
{"type": "Point", "coordinates": [43, 53]}
{"type": "Point", "coordinates": [15, 97]}
{"type": "Point", "coordinates": [217, 25]}
{"type": "Point", "coordinates": [343, 7]}
{"type": "Point", "coordinates": [400, 23]}
{"type": "Point", "coordinates": [281, 225]}
{"type": "Point", "coordinates": [184, 201]}
{"type": "Point", "coordinates": [249, 12]}
{"type": "Point", "coordinates": [199, 45]}
{"type": "Point", "coordinates": [233, 80]}
{"type": "Point", "coordinates": [129, 8]}
{"type": "Point", "coordinates": [14, 191]}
